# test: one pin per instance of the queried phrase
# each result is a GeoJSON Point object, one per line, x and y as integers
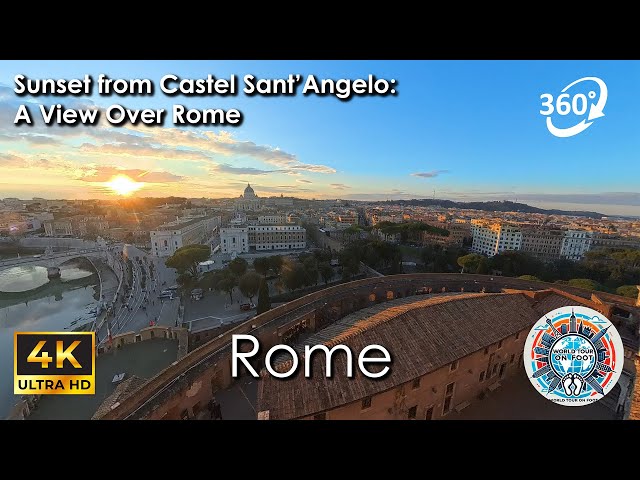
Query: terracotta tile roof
{"type": "Point", "coordinates": [608, 297]}
{"type": "Point", "coordinates": [421, 335]}
{"type": "Point", "coordinates": [551, 302]}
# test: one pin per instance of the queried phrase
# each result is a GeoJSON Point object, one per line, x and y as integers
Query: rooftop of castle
{"type": "Point", "coordinates": [429, 333]}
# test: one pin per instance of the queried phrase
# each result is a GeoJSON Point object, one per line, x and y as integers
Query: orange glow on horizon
{"type": "Point", "coordinates": [123, 185]}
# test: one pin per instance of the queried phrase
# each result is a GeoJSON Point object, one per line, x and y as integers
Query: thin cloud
{"type": "Point", "coordinates": [431, 174]}
{"type": "Point", "coordinates": [339, 186]}
{"type": "Point", "coordinates": [209, 142]}
{"type": "Point", "coordinates": [302, 180]}
{"type": "Point", "coordinates": [289, 189]}
{"type": "Point", "coordinates": [9, 160]}
{"type": "Point", "coordinates": [34, 138]}
{"type": "Point", "coordinates": [140, 140]}
{"type": "Point", "coordinates": [105, 173]}
{"type": "Point", "coordinates": [604, 198]}
{"type": "Point", "coordinates": [137, 150]}
{"type": "Point", "coordinates": [226, 168]}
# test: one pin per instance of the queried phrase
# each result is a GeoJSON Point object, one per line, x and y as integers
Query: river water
{"type": "Point", "coordinates": [29, 301]}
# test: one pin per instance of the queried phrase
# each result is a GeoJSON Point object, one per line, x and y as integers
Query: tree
{"type": "Point", "coordinates": [469, 262]}
{"type": "Point", "coordinates": [185, 281]}
{"type": "Point", "coordinates": [531, 278]}
{"type": "Point", "coordinates": [186, 259]}
{"type": "Point", "coordinates": [311, 271]}
{"type": "Point", "coordinates": [261, 265]}
{"type": "Point", "coordinates": [630, 291]}
{"type": "Point", "coordinates": [326, 272]}
{"type": "Point", "coordinates": [322, 255]}
{"type": "Point", "coordinates": [209, 280]}
{"type": "Point", "coordinates": [249, 284]}
{"type": "Point", "coordinates": [294, 277]}
{"type": "Point", "coordinates": [226, 283]}
{"type": "Point", "coordinates": [238, 266]}
{"type": "Point", "coordinates": [264, 301]}
{"type": "Point", "coordinates": [585, 283]}
{"type": "Point", "coordinates": [483, 266]}
{"type": "Point", "coordinates": [275, 263]}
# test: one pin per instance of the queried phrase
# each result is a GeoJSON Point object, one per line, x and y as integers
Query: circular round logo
{"type": "Point", "coordinates": [573, 356]}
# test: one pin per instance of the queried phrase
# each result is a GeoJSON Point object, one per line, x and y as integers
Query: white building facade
{"type": "Point", "coordinates": [170, 237]}
{"type": "Point", "coordinates": [493, 239]}
{"type": "Point", "coordinates": [575, 244]}
{"type": "Point", "coordinates": [234, 240]}
{"type": "Point", "coordinates": [277, 237]}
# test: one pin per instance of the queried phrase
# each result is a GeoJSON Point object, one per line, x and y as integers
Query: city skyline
{"type": "Point", "coordinates": [458, 130]}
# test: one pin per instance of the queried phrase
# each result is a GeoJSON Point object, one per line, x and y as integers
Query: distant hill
{"type": "Point", "coordinates": [495, 206]}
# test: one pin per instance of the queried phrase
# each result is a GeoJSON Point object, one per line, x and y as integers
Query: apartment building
{"type": "Point", "coordinates": [77, 226]}
{"type": "Point", "coordinates": [277, 237]}
{"type": "Point", "coordinates": [492, 239]}
{"type": "Point", "coordinates": [168, 238]}
{"type": "Point", "coordinates": [262, 237]}
{"type": "Point", "coordinates": [575, 244]}
{"type": "Point", "coordinates": [272, 219]}
{"type": "Point", "coordinates": [543, 244]}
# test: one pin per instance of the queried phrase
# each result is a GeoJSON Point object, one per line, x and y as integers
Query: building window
{"type": "Point", "coordinates": [412, 412]}
{"type": "Point", "coordinates": [429, 414]}
{"type": "Point", "coordinates": [499, 344]}
{"type": "Point", "coordinates": [454, 366]}
{"type": "Point", "coordinates": [320, 416]}
{"type": "Point", "coordinates": [482, 374]}
{"type": "Point", "coordinates": [366, 403]}
{"type": "Point", "coordinates": [446, 407]}
{"type": "Point", "coordinates": [416, 383]}
{"type": "Point", "coordinates": [513, 357]}
{"type": "Point", "coordinates": [449, 390]}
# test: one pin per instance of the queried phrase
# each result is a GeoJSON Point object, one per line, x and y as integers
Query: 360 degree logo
{"type": "Point", "coordinates": [577, 104]}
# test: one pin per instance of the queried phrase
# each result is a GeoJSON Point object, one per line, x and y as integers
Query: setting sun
{"type": "Point", "coordinates": [123, 185]}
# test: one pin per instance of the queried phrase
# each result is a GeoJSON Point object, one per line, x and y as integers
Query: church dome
{"type": "Point", "coordinates": [248, 192]}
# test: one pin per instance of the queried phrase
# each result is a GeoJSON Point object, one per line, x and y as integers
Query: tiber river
{"type": "Point", "coordinates": [29, 301]}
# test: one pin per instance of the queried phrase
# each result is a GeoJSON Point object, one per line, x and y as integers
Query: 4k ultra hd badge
{"type": "Point", "coordinates": [573, 356]}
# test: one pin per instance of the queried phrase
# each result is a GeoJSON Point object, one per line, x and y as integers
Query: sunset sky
{"type": "Point", "coordinates": [460, 130]}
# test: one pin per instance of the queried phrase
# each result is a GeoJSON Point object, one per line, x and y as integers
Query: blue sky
{"type": "Point", "coordinates": [471, 128]}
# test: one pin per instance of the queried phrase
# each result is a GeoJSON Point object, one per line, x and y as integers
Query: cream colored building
{"type": "Point", "coordinates": [492, 239]}
{"type": "Point", "coordinates": [575, 244]}
{"type": "Point", "coordinates": [277, 237]}
{"type": "Point", "coordinates": [234, 240]}
{"type": "Point", "coordinates": [166, 239]}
